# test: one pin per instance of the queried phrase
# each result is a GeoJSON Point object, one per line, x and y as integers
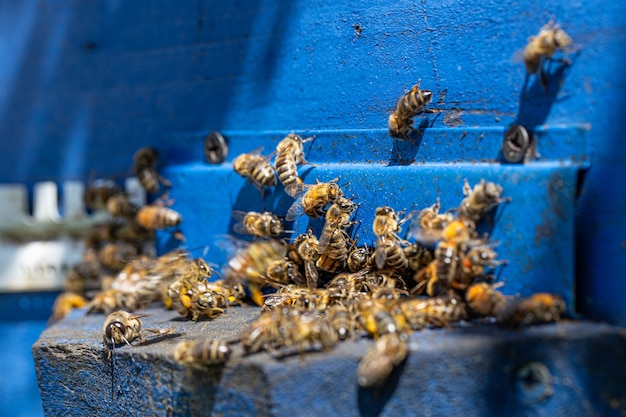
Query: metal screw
{"type": "Point", "coordinates": [215, 148]}
{"type": "Point", "coordinates": [515, 144]}
{"type": "Point", "coordinates": [535, 382]}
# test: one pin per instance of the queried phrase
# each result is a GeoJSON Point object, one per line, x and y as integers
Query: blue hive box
{"type": "Point", "coordinates": [85, 84]}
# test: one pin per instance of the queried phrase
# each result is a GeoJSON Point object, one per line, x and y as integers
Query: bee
{"type": "Point", "coordinates": [263, 224]}
{"type": "Point", "coordinates": [156, 216]}
{"type": "Point", "coordinates": [284, 271]}
{"type": "Point", "coordinates": [408, 105]}
{"type": "Point", "coordinates": [290, 154]}
{"type": "Point", "coordinates": [123, 327]}
{"type": "Point", "coordinates": [484, 299]}
{"type": "Point", "coordinates": [256, 168]}
{"type": "Point", "coordinates": [249, 265]}
{"type": "Point", "coordinates": [443, 269]}
{"type": "Point", "coordinates": [334, 243]}
{"type": "Point", "coordinates": [393, 255]}
{"type": "Point", "coordinates": [312, 199]}
{"type": "Point", "coordinates": [145, 160]}
{"type": "Point", "coordinates": [203, 352]}
{"type": "Point", "coordinates": [430, 223]}
{"type": "Point", "coordinates": [551, 38]}
{"type": "Point", "coordinates": [436, 311]}
{"type": "Point", "coordinates": [537, 308]}
{"type": "Point", "coordinates": [337, 217]}
{"type": "Point", "coordinates": [120, 206]}
{"type": "Point", "coordinates": [474, 264]}
{"type": "Point", "coordinates": [334, 258]}
{"type": "Point", "coordinates": [113, 299]}
{"type": "Point", "coordinates": [380, 316]}
{"type": "Point", "coordinates": [260, 332]}
{"type": "Point", "coordinates": [65, 303]}
{"type": "Point", "coordinates": [307, 247]}
{"type": "Point", "coordinates": [359, 258]}
{"type": "Point", "coordinates": [479, 200]}
{"type": "Point", "coordinates": [418, 256]}
{"type": "Point", "coordinates": [386, 226]}
{"type": "Point", "coordinates": [342, 321]}
{"type": "Point", "coordinates": [97, 195]}
{"type": "Point", "coordinates": [116, 255]}
{"type": "Point", "coordinates": [197, 300]}
{"type": "Point", "coordinates": [388, 351]}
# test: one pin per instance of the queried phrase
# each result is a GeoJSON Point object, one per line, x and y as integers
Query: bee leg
{"type": "Point", "coordinates": [179, 236]}
{"type": "Point", "coordinates": [165, 181]}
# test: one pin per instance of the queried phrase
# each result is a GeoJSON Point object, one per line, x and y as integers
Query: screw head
{"type": "Point", "coordinates": [215, 148]}
{"type": "Point", "coordinates": [516, 143]}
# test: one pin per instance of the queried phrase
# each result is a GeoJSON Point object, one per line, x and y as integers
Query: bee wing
{"type": "Point", "coordinates": [240, 228]}
{"type": "Point", "coordinates": [296, 190]}
{"type": "Point", "coordinates": [256, 151]}
{"type": "Point", "coordinates": [312, 276]}
{"type": "Point", "coordinates": [325, 237]}
{"type": "Point", "coordinates": [381, 253]}
{"type": "Point", "coordinates": [296, 210]}
{"type": "Point", "coordinates": [239, 215]}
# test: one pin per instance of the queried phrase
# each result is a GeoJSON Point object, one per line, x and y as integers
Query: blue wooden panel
{"type": "Point", "coordinates": [85, 83]}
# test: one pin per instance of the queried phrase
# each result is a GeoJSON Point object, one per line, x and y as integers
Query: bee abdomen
{"type": "Point", "coordinates": [263, 173]}
{"type": "Point", "coordinates": [287, 169]}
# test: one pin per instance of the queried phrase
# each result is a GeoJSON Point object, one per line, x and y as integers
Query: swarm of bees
{"type": "Point", "coordinates": [313, 291]}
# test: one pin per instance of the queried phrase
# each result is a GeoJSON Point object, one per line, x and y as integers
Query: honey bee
{"type": "Point", "coordinates": [113, 299]}
{"type": "Point", "coordinates": [145, 160]}
{"type": "Point", "coordinates": [551, 38]}
{"type": "Point", "coordinates": [312, 199]}
{"type": "Point", "coordinates": [120, 206]}
{"type": "Point", "coordinates": [388, 351]}
{"type": "Point", "coordinates": [484, 299]}
{"type": "Point", "coordinates": [141, 281]}
{"type": "Point", "coordinates": [65, 303]}
{"type": "Point", "coordinates": [116, 255]}
{"type": "Point", "coordinates": [284, 271]}
{"type": "Point", "coordinates": [436, 311]}
{"type": "Point", "coordinates": [155, 216]}
{"type": "Point", "coordinates": [386, 226]}
{"type": "Point", "coordinates": [418, 256]}
{"type": "Point", "coordinates": [249, 265]}
{"type": "Point", "coordinates": [380, 316]}
{"type": "Point", "coordinates": [263, 224]}
{"type": "Point", "coordinates": [474, 264]}
{"type": "Point", "coordinates": [443, 269]}
{"type": "Point", "coordinates": [479, 200]}
{"type": "Point", "coordinates": [337, 217]}
{"type": "Point", "coordinates": [307, 247]}
{"type": "Point", "coordinates": [342, 321]}
{"type": "Point", "coordinates": [334, 244]}
{"type": "Point", "coordinates": [430, 223]}
{"type": "Point", "coordinates": [290, 154]}
{"type": "Point", "coordinates": [295, 331]}
{"type": "Point", "coordinates": [256, 168]}
{"type": "Point", "coordinates": [97, 195]}
{"type": "Point", "coordinates": [392, 255]}
{"type": "Point", "coordinates": [535, 309]}
{"type": "Point", "coordinates": [123, 327]}
{"type": "Point", "coordinates": [359, 258]}
{"type": "Point", "coordinates": [203, 352]}
{"type": "Point", "coordinates": [408, 106]}
{"type": "Point", "coordinates": [198, 300]}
